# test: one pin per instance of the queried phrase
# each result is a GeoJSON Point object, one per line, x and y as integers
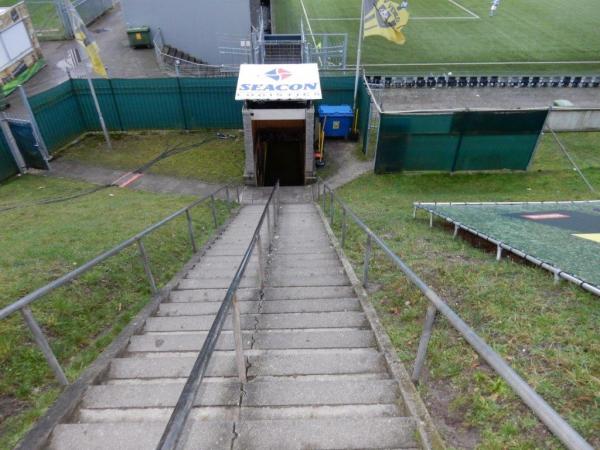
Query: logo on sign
{"type": "Point", "coordinates": [278, 74]}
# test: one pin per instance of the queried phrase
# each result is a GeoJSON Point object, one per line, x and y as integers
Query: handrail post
{"type": "Point", "coordinates": [147, 268]}
{"type": "Point", "coordinates": [191, 230]}
{"type": "Point", "coordinates": [227, 195]}
{"type": "Point", "coordinates": [237, 193]}
{"type": "Point", "coordinates": [42, 342]}
{"type": "Point", "coordinates": [331, 207]}
{"type": "Point", "coordinates": [213, 210]}
{"type": "Point", "coordinates": [344, 226]}
{"type": "Point", "coordinates": [239, 340]}
{"type": "Point", "coordinates": [323, 198]}
{"type": "Point", "coordinates": [261, 273]}
{"type": "Point", "coordinates": [269, 235]}
{"type": "Point", "coordinates": [424, 343]}
{"type": "Point", "coordinates": [366, 261]}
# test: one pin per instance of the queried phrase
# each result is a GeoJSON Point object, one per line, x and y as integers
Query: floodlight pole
{"type": "Point", "coordinates": [97, 105]}
{"type": "Point", "coordinates": [359, 52]}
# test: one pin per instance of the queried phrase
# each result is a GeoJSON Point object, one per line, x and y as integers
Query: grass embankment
{"type": "Point", "coordinates": [206, 157]}
{"type": "Point", "coordinates": [547, 332]}
{"type": "Point", "coordinates": [42, 242]}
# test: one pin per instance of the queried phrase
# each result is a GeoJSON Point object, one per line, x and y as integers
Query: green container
{"type": "Point", "coordinates": [139, 37]}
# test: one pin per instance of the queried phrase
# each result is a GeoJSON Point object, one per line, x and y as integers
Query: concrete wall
{"type": "Point", "coordinates": [574, 119]}
{"type": "Point", "coordinates": [197, 27]}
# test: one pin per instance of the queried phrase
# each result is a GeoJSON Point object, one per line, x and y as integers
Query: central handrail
{"type": "Point", "coordinates": [555, 423]}
{"type": "Point", "coordinates": [178, 419]}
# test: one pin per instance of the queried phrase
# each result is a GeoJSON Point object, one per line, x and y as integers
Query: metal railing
{"type": "Point", "coordinates": [22, 305]}
{"type": "Point", "coordinates": [177, 421]}
{"type": "Point", "coordinates": [557, 425]}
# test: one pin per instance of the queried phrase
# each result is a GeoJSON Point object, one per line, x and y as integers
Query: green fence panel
{"type": "Point", "coordinates": [469, 140]}
{"type": "Point", "coordinates": [8, 167]}
{"type": "Point", "coordinates": [210, 103]}
{"type": "Point", "coordinates": [58, 115]}
{"type": "Point", "coordinates": [106, 99]}
{"type": "Point", "coordinates": [337, 91]}
{"type": "Point", "coordinates": [496, 152]}
{"type": "Point", "coordinates": [149, 103]}
{"type": "Point", "coordinates": [364, 114]}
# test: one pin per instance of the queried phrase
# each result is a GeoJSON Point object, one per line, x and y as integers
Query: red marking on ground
{"type": "Point", "coordinates": [545, 216]}
{"type": "Point", "coordinates": [130, 180]}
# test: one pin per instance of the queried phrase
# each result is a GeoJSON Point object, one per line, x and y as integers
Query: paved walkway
{"type": "Point", "coordinates": [316, 377]}
{"type": "Point", "coordinates": [147, 182]}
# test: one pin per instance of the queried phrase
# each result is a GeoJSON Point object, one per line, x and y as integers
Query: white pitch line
{"type": "Point", "coordinates": [308, 23]}
{"type": "Point", "coordinates": [412, 18]}
{"type": "Point", "coordinates": [465, 9]}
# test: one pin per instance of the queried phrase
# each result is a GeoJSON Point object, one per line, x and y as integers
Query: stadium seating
{"type": "Point", "coordinates": [494, 81]}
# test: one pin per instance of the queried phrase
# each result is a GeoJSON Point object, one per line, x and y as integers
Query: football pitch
{"type": "Point", "coordinates": [459, 36]}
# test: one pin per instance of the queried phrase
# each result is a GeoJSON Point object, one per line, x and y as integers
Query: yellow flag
{"type": "Point", "coordinates": [385, 18]}
{"type": "Point", "coordinates": [84, 38]}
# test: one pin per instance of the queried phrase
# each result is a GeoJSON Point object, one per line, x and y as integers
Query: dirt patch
{"type": "Point", "coordinates": [10, 406]}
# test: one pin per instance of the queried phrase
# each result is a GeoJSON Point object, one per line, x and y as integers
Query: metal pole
{"type": "Point", "coordinates": [456, 228]}
{"type": "Point", "coordinates": [42, 343]}
{"type": "Point", "coordinates": [213, 210]}
{"type": "Point", "coordinates": [269, 225]}
{"type": "Point", "coordinates": [498, 253]}
{"type": "Point", "coordinates": [423, 343]}
{"type": "Point", "coordinates": [239, 342]}
{"type": "Point", "coordinates": [359, 52]}
{"type": "Point", "coordinates": [323, 199]}
{"type": "Point", "coordinates": [237, 193]}
{"type": "Point", "coordinates": [227, 194]}
{"type": "Point", "coordinates": [430, 219]}
{"type": "Point", "coordinates": [331, 207]}
{"type": "Point", "coordinates": [366, 262]}
{"type": "Point", "coordinates": [191, 230]}
{"type": "Point", "coordinates": [34, 125]}
{"type": "Point", "coordinates": [99, 111]}
{"type": "Point", "coordinates": [147, 268]}
{"type": "Point", "coordinates": [261, 278]}
{"type": "Point", "coordinates": [12, 144]}
{"type": "Point", "coordinates": [344, 226]}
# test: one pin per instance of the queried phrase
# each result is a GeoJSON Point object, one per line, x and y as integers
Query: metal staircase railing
{"type": "Point", "coordinates": [22, 305]}
{"type": "Point", "coordinates": [555, 423]}
{"type": "Point", "coordinates": [177, 421]}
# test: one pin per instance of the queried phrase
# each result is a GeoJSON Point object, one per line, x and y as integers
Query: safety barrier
{"type": "Point", "coordinates": [555, 423]}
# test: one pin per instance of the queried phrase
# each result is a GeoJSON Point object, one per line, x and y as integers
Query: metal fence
{"type": "Point", "coordinates": [557, 425]}
{"type": "Point", "coordinates": [23, 304]}
{"type": "Point", "coordinates": [90, 10]}
{"type": "Point", "coordinates": [177, 421]}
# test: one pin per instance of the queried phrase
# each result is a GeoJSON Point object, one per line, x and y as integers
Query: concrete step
{"type": "Point", "coordinates": [138, 436]}
{"type": "Point", "coordinates": [349, 319]}
{"type": "Point", "coordinates": [300, 293]}
{"type": "Point", "coordinates": [289, 278]}
{"type": "Point", "coordinates": [267, 307]}
{"type": "Point", "coordinates": [211, 295]}
{"type": "Point", "coordinates": [215, 283]}
{"type": "Point", "coordinates": [338, 433]}
{"type": "Point", "coordinates": [256, 393]}
{"type": "Point", "coordinates": [224, 413]}
{"type": "Point", "coordinates": [262, 363]}
{"type": "Point", "coordinates": [261, 340]}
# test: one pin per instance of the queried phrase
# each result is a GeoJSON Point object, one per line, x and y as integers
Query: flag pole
{"type": "Point", "coordinates": [359, 52]}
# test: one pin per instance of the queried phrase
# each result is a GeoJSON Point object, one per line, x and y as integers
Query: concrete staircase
{"type": "Point", "coordinates": [316, 378]}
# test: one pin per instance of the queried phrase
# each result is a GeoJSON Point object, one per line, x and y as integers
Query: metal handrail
{"type": "Point", "coordinates": [178, 419]}
{"type": "Point", "coordinates": [557, 425]}
{"type": "Point", "coordinates": [23, 303]}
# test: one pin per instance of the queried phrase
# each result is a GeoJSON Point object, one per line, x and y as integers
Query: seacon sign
{"type": "Point", "coordinates": [278, 82]}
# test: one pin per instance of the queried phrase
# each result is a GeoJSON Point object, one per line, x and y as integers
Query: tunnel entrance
{"type": "Point", "coordinates": [279, 152]}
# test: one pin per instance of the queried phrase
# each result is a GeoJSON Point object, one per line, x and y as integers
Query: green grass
{"type": "Point", "coordinates": [214, 161]}
{"type": "Point", "coordinates": [42, 242]}
{"type": "Point", "coordinates": [523, 31]}
{"type": "Point", "coordinates": [547, 332]}
{"type": "Point", "coordinates": [44, 17]}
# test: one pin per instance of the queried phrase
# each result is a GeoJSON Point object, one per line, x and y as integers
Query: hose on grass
{"type": "Point", "coordinates": [167, 153]}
